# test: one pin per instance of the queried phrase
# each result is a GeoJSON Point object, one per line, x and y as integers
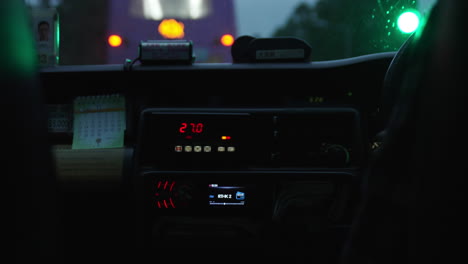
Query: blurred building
{"type": "Point", "coordinates": [204, 22]}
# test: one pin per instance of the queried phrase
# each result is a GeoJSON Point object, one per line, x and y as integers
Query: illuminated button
{"type": "Point", "coordinates": [178, 148]}
{"type": "Point", "coordinates": [188, 148]}
{"type": "Point", "coordinates": [207, 148]}
{"type": "Point", "coordinates": [197, 148]}
{"type": "Point", "coordinates": [275, 120]}
{"type": "Point", "coordinates": [221, 149]}
{"type": "Point", "coordinates": [231, 149]}
{"type": "Point", "coordinates": [276, 134]}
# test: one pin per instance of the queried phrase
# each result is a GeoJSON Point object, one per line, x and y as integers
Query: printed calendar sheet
{"type": "Point", "coordinates": [99, 122]}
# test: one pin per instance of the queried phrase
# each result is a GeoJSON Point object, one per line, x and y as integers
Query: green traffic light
{"type": "Point", "coordinates": [408, 21]}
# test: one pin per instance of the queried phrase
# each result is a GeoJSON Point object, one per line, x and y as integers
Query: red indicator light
{"type": "Point", "coordinates": [225, 137]}
{"type": "Point", "coordinates": [115, 41]}
{"type": "Point", "coordinates": [172, 186]}
{"type": "Point", "coordinates": [227, 40]}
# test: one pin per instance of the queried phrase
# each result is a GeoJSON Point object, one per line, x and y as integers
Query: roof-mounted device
{"type": "Point", "coordinates": [279, 49]}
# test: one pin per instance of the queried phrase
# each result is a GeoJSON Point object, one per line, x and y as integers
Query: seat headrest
{"type": "Point", "coordinates": [18, 53]}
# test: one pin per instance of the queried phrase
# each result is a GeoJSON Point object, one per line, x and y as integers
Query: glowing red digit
{"type": "Point", "coordinates": [199, 128]}
{"type": "Point", "coordinates": [183, 127]}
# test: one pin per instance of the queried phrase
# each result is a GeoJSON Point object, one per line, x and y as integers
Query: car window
{"type": "Point", "coordinates": [109, 32]}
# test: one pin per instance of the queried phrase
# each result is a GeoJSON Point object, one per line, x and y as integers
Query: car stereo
{"type": "Point", "coordinates": [202, 193]}
{"type": "Point", "coordinates": [227, 195]}
{"type": "Point", "coordinates": [256, 194]}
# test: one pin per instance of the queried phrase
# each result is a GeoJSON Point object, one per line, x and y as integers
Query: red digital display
{"type": "Point", "coordinates": [191, 128]}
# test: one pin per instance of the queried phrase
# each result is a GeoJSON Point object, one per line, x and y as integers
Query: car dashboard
{"type": "Point", "coordinates": [249, 174]}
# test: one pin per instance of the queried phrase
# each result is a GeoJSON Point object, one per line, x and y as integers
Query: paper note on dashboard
{"type": "Point", "coordinates": [99, 122]}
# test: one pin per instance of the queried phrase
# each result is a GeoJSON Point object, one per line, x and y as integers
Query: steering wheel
{"type": "Point", "coordinates": [394, 78]}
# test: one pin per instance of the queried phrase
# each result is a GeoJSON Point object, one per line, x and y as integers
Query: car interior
{"type": "Point", "coordinates": [366, 169]}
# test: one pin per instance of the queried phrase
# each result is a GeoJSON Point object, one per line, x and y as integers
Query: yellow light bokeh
{"type": "Point", "coordinates": [114, 40]}
{"type": "Point", "coordinates": [227, 40]}
{"type": "Point", "coordinates": [171, 29]}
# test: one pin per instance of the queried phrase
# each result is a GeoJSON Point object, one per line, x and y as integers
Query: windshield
{"type": "Point", "coordinates": [80, 32]}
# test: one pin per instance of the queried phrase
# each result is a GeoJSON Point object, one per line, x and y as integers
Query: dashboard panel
{"type": "Point", "coordinates": [250, 168]}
